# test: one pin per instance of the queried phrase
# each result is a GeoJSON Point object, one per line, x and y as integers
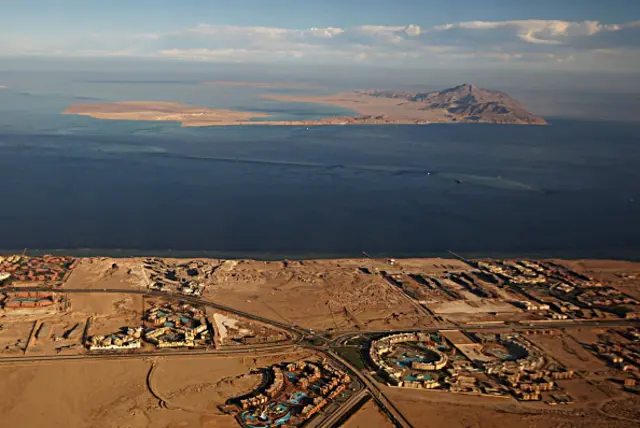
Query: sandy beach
{"type": "Point", "coordinates": [163, 111]}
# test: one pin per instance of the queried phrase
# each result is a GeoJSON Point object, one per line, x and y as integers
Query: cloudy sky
{"type": "Point", "coordinates": [543, 34]}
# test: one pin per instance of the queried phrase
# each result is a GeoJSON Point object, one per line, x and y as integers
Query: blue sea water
{"type": "Point", "coordinates": [86, 186]}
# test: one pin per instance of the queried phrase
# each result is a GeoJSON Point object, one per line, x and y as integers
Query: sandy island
{"type": "Point", "coordinates": [185, 114]}
{"type": "Point", "coordinates": [163, 111]}
{"type": "Point", "coordinates": [372, 111]}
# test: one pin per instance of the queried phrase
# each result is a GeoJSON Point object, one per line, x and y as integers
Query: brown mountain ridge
{"type": "Point", "coordinates": [466, 103]}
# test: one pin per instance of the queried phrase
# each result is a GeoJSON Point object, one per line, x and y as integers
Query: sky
{"type": "Point", "coordinates": [584, 35]}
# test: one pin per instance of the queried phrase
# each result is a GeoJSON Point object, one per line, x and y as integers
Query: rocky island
{"type": "Point", "coordinates": [461, 104]}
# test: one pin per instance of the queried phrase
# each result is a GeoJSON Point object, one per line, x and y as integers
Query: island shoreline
{"type": "Point", "coordinates": [462, 104]}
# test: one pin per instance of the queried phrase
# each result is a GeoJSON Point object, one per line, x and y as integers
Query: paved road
{"type": "Point", "coordinates": [298, 334]}
{"type": "Point", "coordinates": [333, 419]}
{"type": "Point", "coordinates": [387, 406]}
{"type": "Point", "coordinates": [266, 350]}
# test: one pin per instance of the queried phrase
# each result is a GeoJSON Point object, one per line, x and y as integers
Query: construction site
{"type": "Point", "coordinates": [235, 331]}
{"type": "Point", "coordinates": [188, 278]}
{"type": "Point", "coordinates": [39, 330]}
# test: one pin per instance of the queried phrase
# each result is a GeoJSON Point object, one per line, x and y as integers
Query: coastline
{"type": "Point", "coordinates": [383, 110]}
{"type": "Point", "coordinates": [365, 105]}
{"type": "Point", "coordinates": [370, 110]}
{"type": "Point", "coordinates": [293, 255]}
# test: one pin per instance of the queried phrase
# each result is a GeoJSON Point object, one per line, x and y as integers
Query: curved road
{"type": "Point", "coordinates": [298, 334]}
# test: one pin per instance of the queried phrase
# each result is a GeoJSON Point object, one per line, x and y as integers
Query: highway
{"type": "Point", "coordinates": [116, 355]}
{"type": "Point", "coordinates": [298, 336]}
{"type": "Point", "coordinates": [394, 414]}
{"type": "Point", "coordinates": [333, 419]}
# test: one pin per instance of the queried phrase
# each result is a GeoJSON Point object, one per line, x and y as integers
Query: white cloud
{"type": "Point", "coordinates": [523, 41]}
{"type": "Point", "coordinates": [386, 32]}
{"type": "Point", "coordinates": [378, 29]}
{"type": "Point", "coordinates": [578, 35]}
{"type": "Point", "coordinates": [231, 55]}
{"type": "Point", "coordinates": [326, 32]}
{"type": "Point", "coordinates": [202, 53]}
{"type": "Point", "coordinates": [413, 30]}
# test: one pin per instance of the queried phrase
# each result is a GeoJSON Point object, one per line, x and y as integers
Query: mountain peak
{"type": "Point", "coordinates": [468, 103]}
{"type": "Point", "coordinates": [465, 87]}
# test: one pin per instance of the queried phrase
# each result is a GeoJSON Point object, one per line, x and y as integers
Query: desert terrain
{"type": "Point", "coordinates": [320, 295]}
{"type": "Point", "coordinates": [367, 417]}
{"type": "Point", "coordinates": [116, 394]}
{"type": "Point", "coordinates": [434, 410]}
{"type": "Point", "coordinates": [162, 111]}
{"type": "Point", "coordinates": [146, 342]}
